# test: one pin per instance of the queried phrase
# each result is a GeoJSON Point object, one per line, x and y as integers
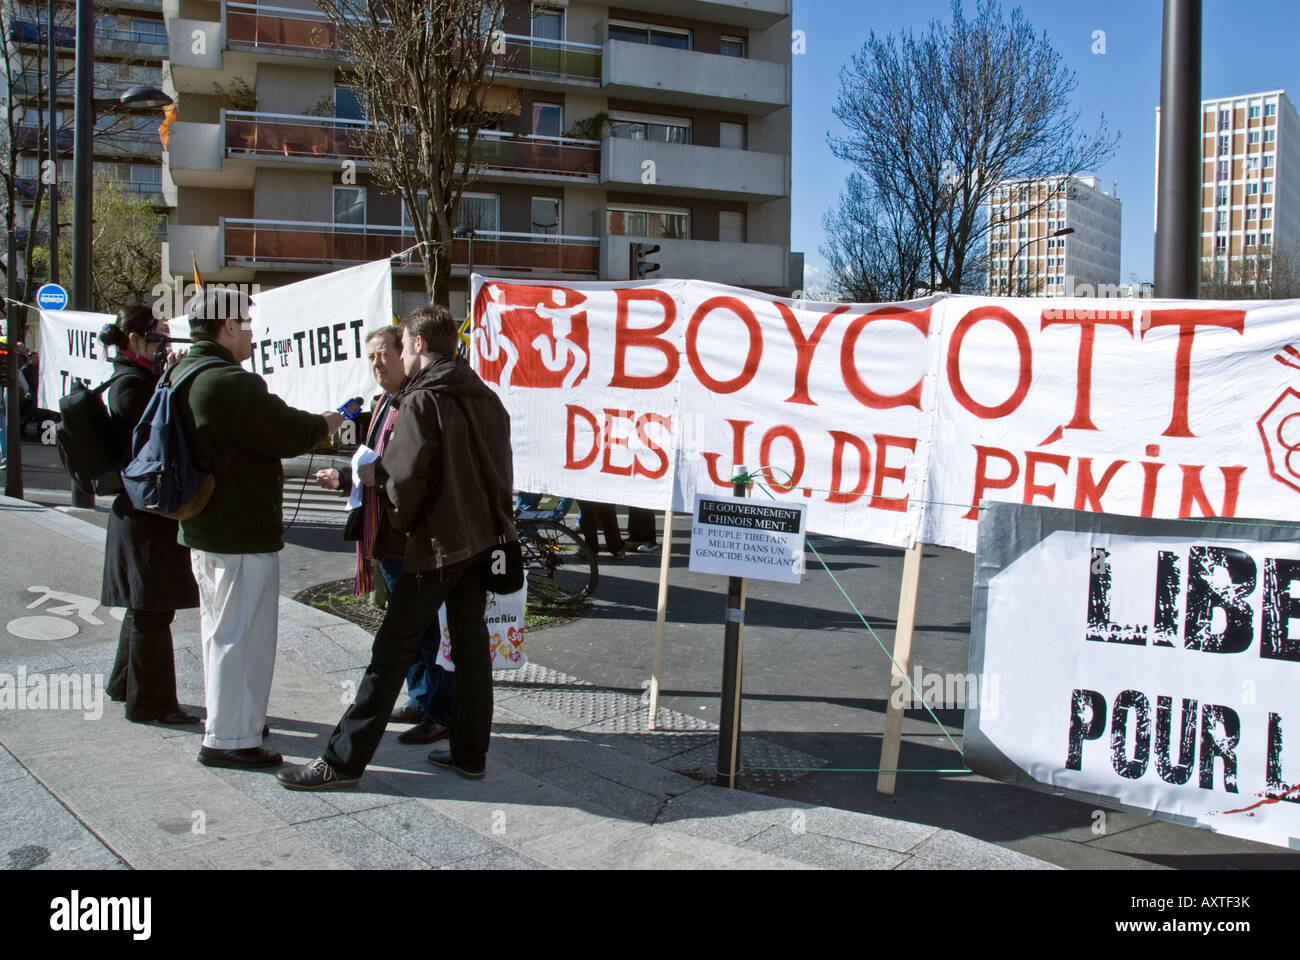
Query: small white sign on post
{"type": "Point", "coordinates": [737, 537]}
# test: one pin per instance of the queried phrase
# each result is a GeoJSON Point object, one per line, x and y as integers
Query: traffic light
{"type": "Point", "coordinates": [639, 267]}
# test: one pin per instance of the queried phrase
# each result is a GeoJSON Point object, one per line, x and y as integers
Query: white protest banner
{"type": "Point", "coordinates": [891, 420]}
{"type": "Point", "coordinates": [1154, 663]}
{"type": "Point", "coordinates": [739, 537]}
{"type": "Point", "coordinates": [309, 337]}
{"type": "Point", "coordinates": [71, 353]}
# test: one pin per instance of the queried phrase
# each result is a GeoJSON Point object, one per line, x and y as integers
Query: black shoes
{"type": "Point", "coordinates": [245, 759]}
{"type": "Point", "coordinates": [179, 716]}
{"type": "Point", "coordinates": [317, 775]}
{"type": "Point", "coordinates": [425, 733]}
{"type": "Point", "coordinates": [442, 758]}
{"type": "Point", "coordinates": [406, 714]}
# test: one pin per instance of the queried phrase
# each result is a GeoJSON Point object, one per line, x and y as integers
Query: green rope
{"type": "Point", "coordinates": [749, 479]}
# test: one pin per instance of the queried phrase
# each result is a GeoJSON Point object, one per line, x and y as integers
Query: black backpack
{"type": "Point", "coordinates": [85, 441]}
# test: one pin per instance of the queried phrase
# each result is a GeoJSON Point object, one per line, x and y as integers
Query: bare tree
{"type": "Point", "coordinates": [25, 89]}
{"type": "Point", "coordinates": [936, 122]}
{"type": "Point", "coordinates": [425, 68]}
{"type": "Point", "coordinates": [873, 248]}
{"type": "Point", "coordinates": [1274, 274]}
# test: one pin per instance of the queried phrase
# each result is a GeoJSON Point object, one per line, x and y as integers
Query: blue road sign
{"type": "Point", "coordinates": [51, 296]}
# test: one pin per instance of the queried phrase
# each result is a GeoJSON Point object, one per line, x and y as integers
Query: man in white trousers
{"type": "Point", "coordinates": [240, 431]}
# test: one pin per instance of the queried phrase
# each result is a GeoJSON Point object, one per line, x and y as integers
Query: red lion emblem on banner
{"type": "Point", "coordinates": [541, 339]}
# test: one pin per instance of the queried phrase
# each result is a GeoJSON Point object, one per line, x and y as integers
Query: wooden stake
{"type": "Point", "coordinates": [661, 616]}
{"type": "Point", "coordinates": [902, 660]}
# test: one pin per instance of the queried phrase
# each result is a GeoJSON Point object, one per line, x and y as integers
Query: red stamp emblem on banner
{"type": "Point", "coordinates": [542, 340]}
{"type": "Point", "coordinates": [1279, 428]}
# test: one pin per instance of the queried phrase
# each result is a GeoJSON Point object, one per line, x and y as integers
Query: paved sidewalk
{"type": "Point", "coordinates": [573, 779]}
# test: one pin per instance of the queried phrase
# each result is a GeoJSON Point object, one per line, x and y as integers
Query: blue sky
{"type": "Point", "coordinates": [1247, 47]}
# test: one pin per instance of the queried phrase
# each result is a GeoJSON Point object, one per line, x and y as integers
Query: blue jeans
{"type": "Point", "coordinates": [430, 687]}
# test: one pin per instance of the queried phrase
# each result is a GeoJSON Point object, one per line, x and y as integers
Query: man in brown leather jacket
{"type": "Point", "coordinates": [448, 474]}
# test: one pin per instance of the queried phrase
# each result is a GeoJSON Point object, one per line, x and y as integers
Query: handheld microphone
{"type": "Point", "coordinates": [352, 409]}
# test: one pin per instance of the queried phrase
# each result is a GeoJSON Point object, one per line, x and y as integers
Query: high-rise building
{"type": "Point", "coordinates": [685, 144]}
{"type": "Point", "coordinates": [1052, 235]}
{"type": "Point", "coordinates": [130, 44]}
{"type": "Point", "coordinates": [1250, 182]}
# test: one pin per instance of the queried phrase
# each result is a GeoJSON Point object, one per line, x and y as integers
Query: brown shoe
{"type": "Point", "coordinates": [425, 733]}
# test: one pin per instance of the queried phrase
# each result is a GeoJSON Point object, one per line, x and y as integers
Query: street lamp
{"type": "Point", "coordinates": [1025, 246]}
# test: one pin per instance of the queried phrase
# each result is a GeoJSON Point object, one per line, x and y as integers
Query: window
{"type": "Point", "coordinates": [349, 103]}
{"type": "Point", "coordinates": [1270, 135]}
{"type": "Point", "coordinates": [1023, 194]}
{"type": "Point", "coordinates": [1252, 137]}
{"type": "Point", "coordinates": [645, 33]}
{"type": "Point", "coordinates": [645, 126]}
{"type": "Point", "coordinates": [731, 226]}
{"type": "Point", "coordinates": [1254, 111]}
{"type": "Point", "coordinates": [1225, 119]}
{"type": "Point", "coordinates": [548, 23]}
{"type": "Point", "coordinates": [733, 47]}
{"type": "Point", "coordinates": [548, 119]}
{"type": "Point", "coordinates": [1250, 215]}
{"type": "Point", "coordinates": [350, 205]}
{"type": "Point", "coordinates": [147, 174]}
{"type": "Point", "coordinates": [1266, 213]}
{"type": "Point", "coordinates": [1266, 239]}
{"type": "Point", "coordinates": [1221, 243]}
{"type": "Point", "coordinates": [731, 135]}
{"type": "Point", "coordinates": [28, 168]}
{"type": "Point", "coordinates": [1270, 109]}
{"type": "Point", "coordinates": [1221, 220]}
{"type": "Point", "coordinates": [1225, 144]}
{"type": "Point", "coordinates": [1221, 172]}
{"type": "Point", "coordinates": [1252, 163]}
{"type": "Point", "coordinates": [480, 212]}
{"type": "Point", "coordinates": [143, 31]}
{"type": "Point", "coordinates": [1252, 188]}
{"type": "Point", "coordinates": [546, 216]}
{"type": "Point", "coordinates": [1268, 161]}
{"type": "Point", "coordinates": [1268, 187]}
{"type": "Point", "coordinates": [1221, 195]}
{"type": "Point", "coordinates": [668, 223]}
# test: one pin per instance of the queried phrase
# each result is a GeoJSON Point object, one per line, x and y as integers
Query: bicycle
{"type": "Point", "coordinates": [562, 571]}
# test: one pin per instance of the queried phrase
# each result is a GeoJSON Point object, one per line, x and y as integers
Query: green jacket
{"type": "Point", "coordinates": [229, 409]}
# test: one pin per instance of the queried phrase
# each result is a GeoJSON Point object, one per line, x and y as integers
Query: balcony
{"type": "Point", "coordinates": [295, 245]}
{"type": "Point", "coordinates": [126, 42]}
{"type": "Point", "coordinates": [754, 14]}
{"type": "Point", "coordinates": [753, 265]}
{"type": "Point", "coordinates": [282, 29]}
{"type": "Point", "coordinates": [695, 171]}
{"type": "Point", "coordinates": [548, 62]}
{"type": "Point", "coordinates": [311, 140]}
{"type": "Point", "coordinates": [687, 78]}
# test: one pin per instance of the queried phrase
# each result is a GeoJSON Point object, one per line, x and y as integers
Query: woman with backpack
{"type": "Point", "coordinates": [145, 569]}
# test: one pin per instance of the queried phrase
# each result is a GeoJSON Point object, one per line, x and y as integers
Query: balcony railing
{"type": "Point", "coordinates": [296, 136]}
{"type": "Point", "coordinates": [549, 58]}
{"type": "Point", "coordinates": [27, 31]}
{"type": "Point", "coordinates": [284, 28]}
{"type": "Point", "coordinates": [263, 242]}
{"type": "Point", "coordinates": [280, 28]}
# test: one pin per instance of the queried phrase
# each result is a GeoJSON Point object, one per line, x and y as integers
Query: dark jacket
{"type": "Point", "coordinates": [449, 481]}
{"type": "Point", "coordinates": [229, 411]}
{"type": "Point", "coordinates": [144, 567]}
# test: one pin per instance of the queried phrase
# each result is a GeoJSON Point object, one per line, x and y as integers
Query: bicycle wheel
{"type": "Point", "coordinates": [561, 569]}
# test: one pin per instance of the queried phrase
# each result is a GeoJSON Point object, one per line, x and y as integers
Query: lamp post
{"type": "Point", "coordinates": [467, 233]}
{"type": "Point", "coordinates": [1178, 182]}
{"type": "Point", "coordinates": [1064, 231]}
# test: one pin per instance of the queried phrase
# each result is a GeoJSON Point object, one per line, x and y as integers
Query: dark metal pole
{"type": "Point", "coordinates": [13, 412]}
{"type": "Point", "coordinates": [1178, 191]}
{"type": "Point", "coordinates": [732, 656]}
{"type": "Point", "coordinates": [82, 173]}
{"type": "Point", "coordinates": [54, 150]}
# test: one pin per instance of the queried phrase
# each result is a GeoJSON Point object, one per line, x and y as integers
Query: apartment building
{"type": "Point", "coordinates": [130, 44]}
{"type": "Point", "coordinates": [694, 153]}
{"type": "Point", "coordinates": [1250, 181]}
{"type": "Point", "coordinates": [1029, 255]}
